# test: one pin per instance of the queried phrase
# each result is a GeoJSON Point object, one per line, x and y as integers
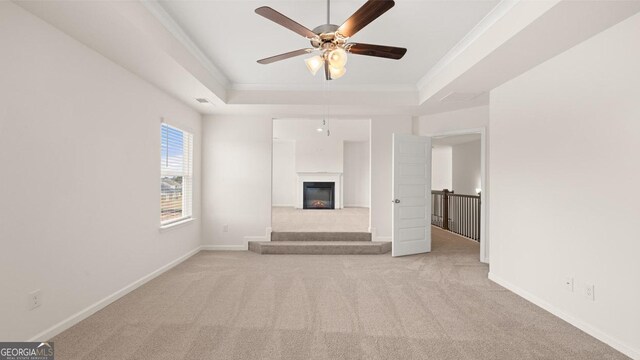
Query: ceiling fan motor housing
{"type": "Point", "coordinates": [327, 34]}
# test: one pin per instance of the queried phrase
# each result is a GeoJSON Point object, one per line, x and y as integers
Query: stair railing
{"type": "Point", "coordinates": [457, 213]}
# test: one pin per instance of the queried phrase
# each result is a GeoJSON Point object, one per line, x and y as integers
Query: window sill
{"type": "Point", "coordinates": [176, 224]}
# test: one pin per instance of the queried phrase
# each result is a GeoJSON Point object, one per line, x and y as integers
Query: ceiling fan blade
{"type": "Point", "coordinates": [370, 11]}
{"type": "Point", "coordinates": [282, 20]}
{"type": "Point", "coordinates": [290, 54]}
{"type": "Point", "coordinates": [389, 52]}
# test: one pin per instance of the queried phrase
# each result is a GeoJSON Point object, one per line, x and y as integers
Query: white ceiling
{"type": "Point", "coordinates": [208, 49]}
{"type": "Point", "coordinates": [306, 129]}
{"type": "Point", "coordinates": [233, 37]}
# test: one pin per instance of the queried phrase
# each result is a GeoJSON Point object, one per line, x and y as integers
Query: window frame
{"type": "Point", "coordinates": [186, 174]}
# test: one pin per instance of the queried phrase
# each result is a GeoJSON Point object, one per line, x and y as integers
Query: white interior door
{"type": "Point", "coordinates": [411, 195]}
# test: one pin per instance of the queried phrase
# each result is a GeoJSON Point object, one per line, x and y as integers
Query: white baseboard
{"type": "Point", "coordinates": [224, 247]}
{"type": "Point", "coordinates": [95, 307]}
{"type": "Point", "coordinates": [589, 329]}
{"type": "Point", "coordinates": [356, 206]}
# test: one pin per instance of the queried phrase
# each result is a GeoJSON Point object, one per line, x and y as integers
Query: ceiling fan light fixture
{"type": "Point", "coordinates": [337, 73]}
{"type": "Point", "coordinates": [337, 58]}
{"type": "Point", "coordinates": [331, 41]}
{"type": "Point", "coordinates": [314, 64]}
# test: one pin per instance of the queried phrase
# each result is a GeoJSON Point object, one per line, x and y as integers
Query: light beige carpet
{"type": "Point", "coordinates": [241, 305]}
{"type": "Point", "coordinates": [299, 220]}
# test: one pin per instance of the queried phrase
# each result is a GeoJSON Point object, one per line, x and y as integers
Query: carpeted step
{"type": "Point", "coordinates": [320, 247]}
{"type": "Point", "coordinates": [320, 236]}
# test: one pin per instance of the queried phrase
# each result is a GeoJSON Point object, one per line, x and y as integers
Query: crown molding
{"type": "Point", "coordinates": [486, 23]}
{"type": "Point", "coordinates": [176, 30]}
{"type": "Point", "coordinates": [156, 9]}
{"type": "Point", "coordinates": [319, 87]}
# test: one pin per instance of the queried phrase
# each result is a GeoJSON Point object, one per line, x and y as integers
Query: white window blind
{"type": "Point", "coordinates": [176, 175]}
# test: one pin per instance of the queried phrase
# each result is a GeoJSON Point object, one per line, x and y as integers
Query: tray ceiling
{"type": "Point", "coordinates": [233, 37]}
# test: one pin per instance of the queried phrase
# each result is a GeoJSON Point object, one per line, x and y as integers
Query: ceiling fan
{"type": "Point", "coordinates": [332, 40]}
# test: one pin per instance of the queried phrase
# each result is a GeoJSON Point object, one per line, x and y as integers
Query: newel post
{"type": "Point", "coordinates": [445, 209]}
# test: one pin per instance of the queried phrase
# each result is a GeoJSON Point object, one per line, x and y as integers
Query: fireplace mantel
{"type": "Point", "coordinates": [334, 177]}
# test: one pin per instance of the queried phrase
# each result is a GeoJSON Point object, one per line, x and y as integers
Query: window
{"type": "Point", "coordinates": [176, 175]}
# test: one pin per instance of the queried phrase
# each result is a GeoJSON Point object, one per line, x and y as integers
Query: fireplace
{"type": "Point", "coordinates": [333, 178]}
{"type": "Point", "coordinates": [318, 195]}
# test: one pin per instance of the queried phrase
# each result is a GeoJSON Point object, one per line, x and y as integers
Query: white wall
{"type": "Point", "coordinates": [457, 167]}
{"type": "Point", "coordinates": [324, 154]}
{"type": "Point", "coordinates": [356, 177]}
{"type": "Point", "coordinates": [80, 178]}
{"type": "Point", "coordinates": [236, 168]}
{"type": "Point", "coordinates": [471, 118]}
{"type": "Point", "coordinates": [354, 164]}
{"type": "Point", "coordinates": [466, 167]}
{"type": "Point", "coordinates": [284, 173]}
{"type": "Point", "coordinates": [564, 146]}
{"type": "Point", "coordinates": [441, 168]}
{"type": "Point", "coordinates": [382, 129]}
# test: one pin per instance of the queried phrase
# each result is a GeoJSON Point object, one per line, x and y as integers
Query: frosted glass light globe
{"type": "Point", "coordinates": [337, 73]}
{"type": "Point", "coordinates": [337, 58]}
{"type": "Point", "coordinates": [314, 64]}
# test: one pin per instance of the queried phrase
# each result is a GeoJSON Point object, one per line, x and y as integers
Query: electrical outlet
{"type": "Point", "coordinates": [225, 228]}
{"type": "Point", "coordinates": [589, 292]}
{"type": "Point", "coordinates": [568, 283]}
{"type": "Point", "coordinates": [35, 299]}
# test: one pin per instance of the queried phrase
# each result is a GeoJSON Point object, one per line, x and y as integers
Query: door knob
{"type": "Point", "coordinates": [397, 201]}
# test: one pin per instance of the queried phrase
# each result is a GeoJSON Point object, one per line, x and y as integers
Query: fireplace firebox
{"type": "Point", "coordinates": [319, 195]}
